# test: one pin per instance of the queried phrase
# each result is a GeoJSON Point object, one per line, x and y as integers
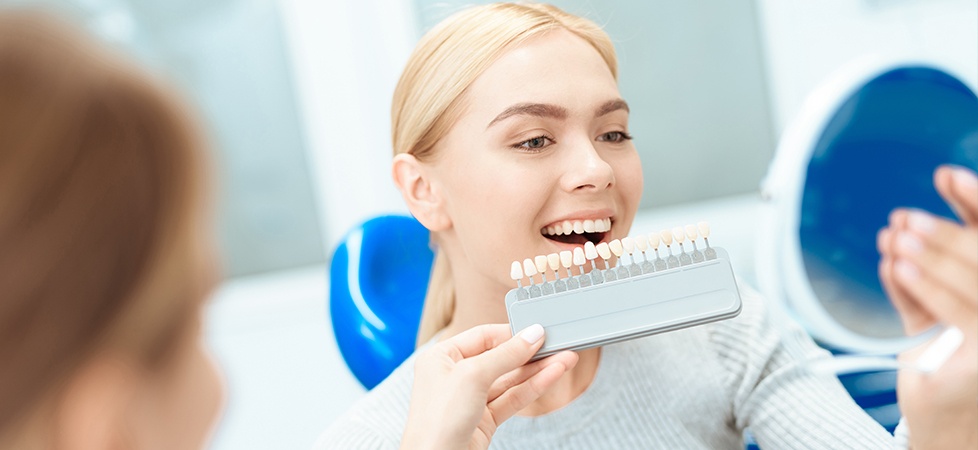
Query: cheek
{"type": "Point", "coordinates": [192, 403]}
{"type": "Point", "coordinates": [493, 204]}
{"type": "Point", "coordinates": [207, 384]}
{"type": "Point", "coordinates": [628, 174]}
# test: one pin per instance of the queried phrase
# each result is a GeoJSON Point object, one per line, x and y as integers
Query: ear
{"type": "Point", "coordinates": [92, 413]}
{"type": "Point", "coordinates": [421, 194]}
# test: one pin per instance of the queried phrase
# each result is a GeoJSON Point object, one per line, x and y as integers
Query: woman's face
{"type": "Point", "coordinates": [542, 145]}
{"type": "Point", "coordinates": [179, 406]}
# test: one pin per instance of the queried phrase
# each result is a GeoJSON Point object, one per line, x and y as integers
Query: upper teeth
{"type": "Point", "coordinates": [578, 227]}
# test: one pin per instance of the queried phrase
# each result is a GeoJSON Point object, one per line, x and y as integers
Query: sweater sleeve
{"type": "Point", "coordinates": [775, 392]}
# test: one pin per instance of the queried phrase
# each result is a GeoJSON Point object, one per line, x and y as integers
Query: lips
{"type": "Point", "coordinates": [577, 231]}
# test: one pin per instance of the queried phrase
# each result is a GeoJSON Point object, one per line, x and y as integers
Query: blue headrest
{"type": "Point", "coordinates": [378, 280]}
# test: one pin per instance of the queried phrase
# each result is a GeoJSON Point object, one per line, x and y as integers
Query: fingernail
{"type": "Point", "coordinates": [922, 222]}
{"type": "Point", "coordinates": [965, 180]}
{"type": "Point", "coordinates": [532, 333]}
{"type": "Point", "coordinates": [906, 270]}
{"type": "Point", "coordinates": [909, 244]}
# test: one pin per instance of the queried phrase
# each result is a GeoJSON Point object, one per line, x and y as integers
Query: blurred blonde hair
{"type": "Point", "coordinates": [429, 97]}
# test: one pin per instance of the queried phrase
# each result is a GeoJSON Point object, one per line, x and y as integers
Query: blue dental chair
{"type": "Point", "coordinates": [888, 124]}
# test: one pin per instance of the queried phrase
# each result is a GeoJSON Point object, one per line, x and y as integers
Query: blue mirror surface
{"type": "Point", "coordinates": [879, 152]}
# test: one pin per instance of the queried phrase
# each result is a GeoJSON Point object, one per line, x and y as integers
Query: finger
{"type": "Point", "coordinates": [509, 355]}
{"type": "Point", "coordinates": [520, 396]}
{"type": "Point", "coordinates": [898, 218]}
{"type": "Point", "coordinates": [474, 341]}
{"type": "Point", "coordinates": [914, 317]}
{"type": "Point", "coordinates": [949, 270]}
{"type": "Point", "coordinates": [945, 236]}
{"type": "Point", "coordinates": [523, 373]}
{"type": "Point", "coordinates": [884, 241]}
{"type": "Point", "coordinates": [959, 188]}
{"type": "Point", "coordinates": [941, 303]}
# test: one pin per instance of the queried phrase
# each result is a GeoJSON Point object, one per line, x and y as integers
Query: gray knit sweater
{"type": "Point", "coordinates": [697, 388]}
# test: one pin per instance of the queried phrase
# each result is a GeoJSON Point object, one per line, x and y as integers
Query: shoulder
{"type": "Point", "coordinates": [377, 420]}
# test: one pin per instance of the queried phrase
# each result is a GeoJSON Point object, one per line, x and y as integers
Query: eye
{"type": "Point", "coordinates": [534, 144]}
{"type": "Point", "coordinates": [615, 137]}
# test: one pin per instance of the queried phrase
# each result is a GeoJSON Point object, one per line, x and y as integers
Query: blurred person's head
{"type": "Point", "coordinates": [507, 122]}
{"type": "Point", "coordinates": [105, 250]}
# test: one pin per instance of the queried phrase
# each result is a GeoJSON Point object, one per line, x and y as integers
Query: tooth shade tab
{"type": "Point", "coordinates": [603, 251]}
{"type": "Point", "coordinates": [628, 244]}
{"type": "Point", "coordinates": [578, 256]}
{"type": "Point", "coordinates": [553, 260]}
{"type": "Point", "coordinates": [678, 235]}
{"type": "Point", "coordinates": [666, 237]}
{"type": "Point", "coordinates": [654, 240]}
{"type": "Point", "coordinates": [566, 259]}
{"type": "Point", "coordinates": [516, 272]}
{"type": "Point", "coordinates": [589, 226]}
{"type": "Point", "coordinates": [589, 251]}
{"type": "Point", "coordinates": [615, 247]}
{"type": "Point", "coordinates": [641, 243]}
{"type": "Point", "coordinates": [541, 263]}
{"type": "Point", "coordinates": [691, 232]}
{"type": "Point", "coordinates": [704, 228]}
{"type": "Point", "coordinates": [528, 268]}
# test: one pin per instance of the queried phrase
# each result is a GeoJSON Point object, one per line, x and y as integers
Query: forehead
{"type": "Point", "coordinates": [556, 67]}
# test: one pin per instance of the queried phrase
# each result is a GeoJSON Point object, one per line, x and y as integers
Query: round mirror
{"type": "Point", "coordinates": [866, 142]}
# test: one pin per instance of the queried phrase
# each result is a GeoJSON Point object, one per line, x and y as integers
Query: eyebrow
{"type": "Point", "coordinates": [611, 106]}
{"type": "Point", "coordinates": [531, 109]}
{"type": "Point", "coordinates": [554, 111]}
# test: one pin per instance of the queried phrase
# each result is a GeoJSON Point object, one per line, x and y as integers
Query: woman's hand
{"type": "Point", "coordinates": [467, 385]}
{"type": "Point", "coordinates": [929, 268]}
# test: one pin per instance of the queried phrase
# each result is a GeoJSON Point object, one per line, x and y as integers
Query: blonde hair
{"type": "Point", "coordinates": [101, 215]}
{"type": "Point", "coordinates": [430, 94]}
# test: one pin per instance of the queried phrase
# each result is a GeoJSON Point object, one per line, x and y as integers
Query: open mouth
{"type": "Point", "coordinates": [578, 232]}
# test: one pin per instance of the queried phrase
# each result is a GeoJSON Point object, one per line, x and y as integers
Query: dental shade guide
{"type": "Point", "coordinates": [530, 269]}
{"type": "Point", "coordinates": [679, 235]}
{"type": "Point", "coordinates": [704, 229]}
{"type": "Point", "coordinates": [659, 264]}
{"type": "Point", "coordinates": [579, 260]}
{"type": "Point", "coordinates": [621, 272]}
{"type": "Point", "coordinates": [591, 253]}
{"type": "Point", "coordinates": [553, 261]}
{"type": "Point", "coordinates": [628, 304]}
{"type": "Point", "coordinates": [697, 256]}
{"type": "Point", "coordinates": [516, 273]}
{"type": "Point", "coordinates": [604, 252]}
{"type": "Point", "coordinates": [628, 246]}
{"type": "Point", "coordinates": [643, 247]}
{"type": "Point", "coordinates": [541, 264]}
{"type": "Point", "coordinates": [672, 261]}
{"type": "Point", "coordinates": [566, 261]}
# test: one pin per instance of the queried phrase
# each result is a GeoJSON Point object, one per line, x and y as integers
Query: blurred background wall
{"type": "Point", "coordinates": [296, 93]}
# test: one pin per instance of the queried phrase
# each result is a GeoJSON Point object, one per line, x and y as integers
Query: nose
{"type": "Point", "coordinates": [586, 170]}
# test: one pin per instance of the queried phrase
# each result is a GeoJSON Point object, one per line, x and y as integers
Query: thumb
{"type": "Point", "coordinates": [510, 354]}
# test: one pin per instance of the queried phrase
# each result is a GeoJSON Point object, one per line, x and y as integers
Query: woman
{"type": "Point", "coordinates": [507, 121]}
{"type": "Point", "coordinates": [106, 251]}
